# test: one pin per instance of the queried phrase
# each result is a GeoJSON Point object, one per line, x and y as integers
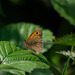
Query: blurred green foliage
{"type": "Point", "coordinates": [53, 17]}
{"type": "Point", "coordinates": [66, 9]}
{"type": "Point", "coordinates": [17, 33]}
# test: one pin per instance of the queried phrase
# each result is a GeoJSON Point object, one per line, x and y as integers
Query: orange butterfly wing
{"type": "Point", "coordinates": [34, 42]}
{"type": "Point", "coordinates": [36, 33]}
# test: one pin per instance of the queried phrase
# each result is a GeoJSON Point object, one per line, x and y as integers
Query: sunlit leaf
{"type": "Point", "coordinates": [24, 60]}
{"type": "Point", "coordinates": [66, 9]}
{"type": "Point", "coordinates": [17, 33]}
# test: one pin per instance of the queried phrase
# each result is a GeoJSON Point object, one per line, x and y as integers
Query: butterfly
{"type": "Point", "coordinates": [34, 41]}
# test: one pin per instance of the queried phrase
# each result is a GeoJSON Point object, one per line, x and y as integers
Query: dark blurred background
{"type": "Point", "coordinates": [34, 11]}
{"type": "Point", "coordinates": [39, 12]}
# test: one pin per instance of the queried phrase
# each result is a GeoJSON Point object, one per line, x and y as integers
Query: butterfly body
{"type": "Point", "coordinates": [34, 42]}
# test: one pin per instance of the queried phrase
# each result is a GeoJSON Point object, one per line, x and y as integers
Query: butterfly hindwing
{"type": "Point", "coordinates": [34, 42]}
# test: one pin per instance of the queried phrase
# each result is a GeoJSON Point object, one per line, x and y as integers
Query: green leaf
{"type": "Point", "coordinates": [66, 40]}
{"type": "Point", "coordinates": [27, 66]}
{"type": "Point", "coordinates": [6, 48]}
{"type": "Point", "coordinates": [19, 59]}
{"type": "Point", "coordinates": [5, 68]}
{"type": "Point", "coordinates": [66, 9]}
{"type": "Point", "coordinates": [11, 72]}
{"type": "Point", "coordinates": [47, 38]}
{"type": "Point", "coordinates": [17, 33]}
{"type": "Point", "coordinates": [41, 72]}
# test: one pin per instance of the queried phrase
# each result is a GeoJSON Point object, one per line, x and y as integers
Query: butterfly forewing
{"type": "Point", "coordinates": [36, 33]}
{"type": "Point", "coordinates": [34, 42]}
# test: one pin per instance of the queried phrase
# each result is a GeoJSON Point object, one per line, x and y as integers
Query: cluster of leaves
{"type": "Point", "coordinates": [17, 33]}
{"type": "Point", "coordinates": [19, 60]}
{"type": "Point", "coordinates": [12, 57]}
{"type": "Point", "coordinates": [67, 40]}
{"type": "Point", "coordinates": [16, 60]}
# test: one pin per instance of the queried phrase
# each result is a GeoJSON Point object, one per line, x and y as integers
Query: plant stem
{"type": "Point", "coordinates": [67, 63]}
